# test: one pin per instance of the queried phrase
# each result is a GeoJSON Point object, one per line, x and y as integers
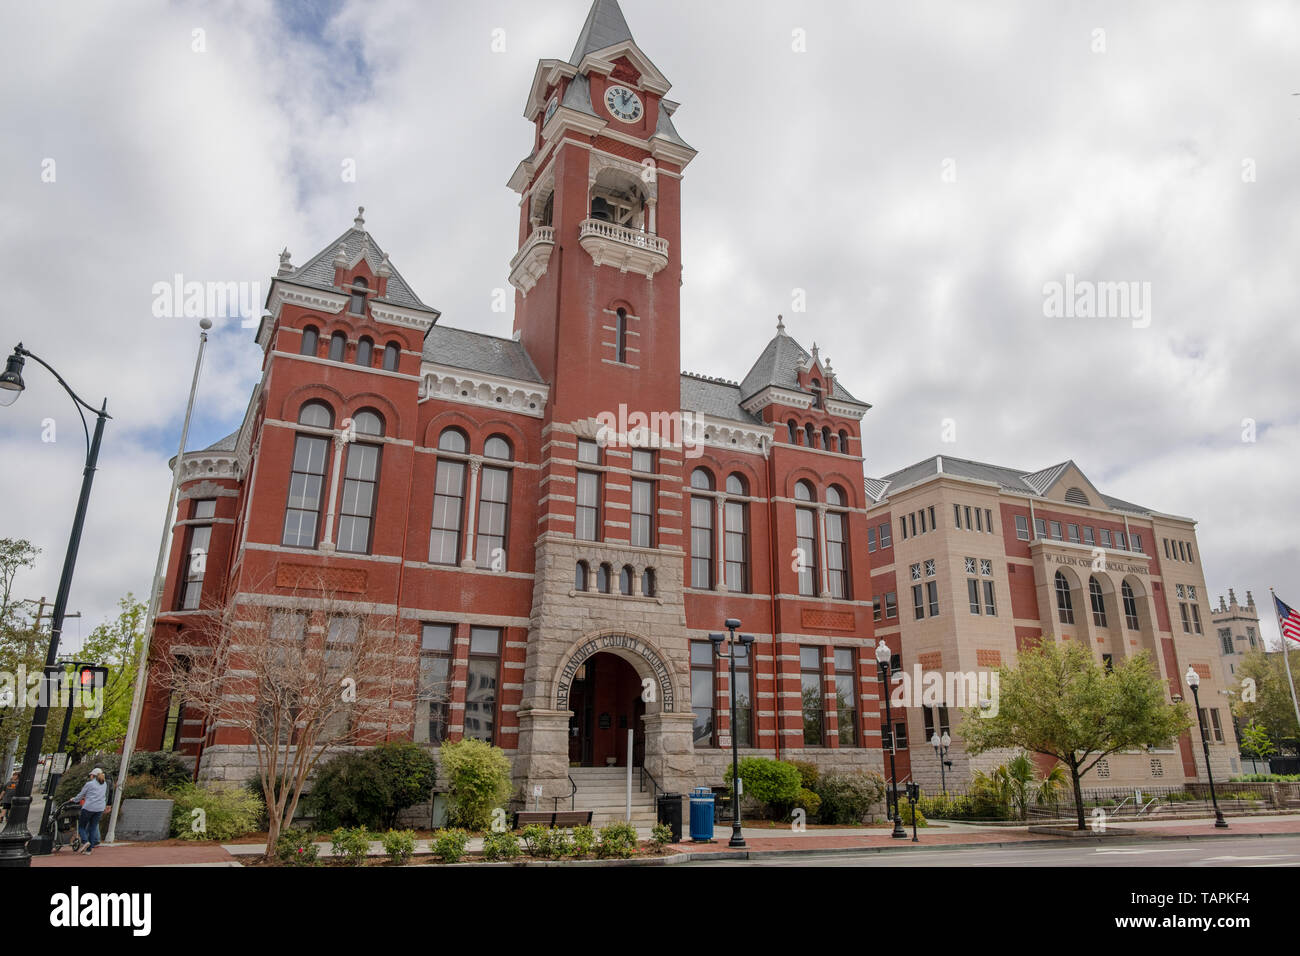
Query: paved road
{"type": "Point", "coordinates": [1229, 851]}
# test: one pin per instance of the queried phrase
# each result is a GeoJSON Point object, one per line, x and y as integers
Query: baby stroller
{"type": "Point", "coordinates": [65, 826]}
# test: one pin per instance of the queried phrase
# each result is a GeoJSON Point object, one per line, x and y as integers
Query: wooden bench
{"type": "Point", "coordinates": [553, 818]}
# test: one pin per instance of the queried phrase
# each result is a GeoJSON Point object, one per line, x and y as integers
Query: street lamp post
{"type": "Point", "coordinates": [1193, 680]}
{"type": "Point", "coordinates": [883, 659]}
{"type": "Point", "coordinates": [747, 641]}
{"type": "Point", "coordinates": [14, 838]}
{"type": "Point", "coordinates": [941, 746]}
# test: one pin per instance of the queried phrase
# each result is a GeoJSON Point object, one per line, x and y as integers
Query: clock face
{"type": "Point", "coordinates": [623, 103]}
{"type": "Point", "coordinates": [550, 109]}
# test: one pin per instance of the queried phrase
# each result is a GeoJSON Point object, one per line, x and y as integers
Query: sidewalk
{"type": "Point", "coordinates": [760, 840]}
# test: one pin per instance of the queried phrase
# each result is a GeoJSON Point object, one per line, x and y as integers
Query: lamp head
{"type": "Point", "coordinates": [716, 640]}
{"type": "Point", "coordinates": [934, 741]}
{"type": "Point", "coordinates": [882, 652]}
{"type": "Point", "coordinates": [946, 740]}
{"type": "Point", "coordinates": [1193, 679]}
{"type": "Point", "coordinates": [731, 623]}
{"type": "Point", "coordinates": [747, 639]}
{"type": "Point", "coordinates": [11, 382]}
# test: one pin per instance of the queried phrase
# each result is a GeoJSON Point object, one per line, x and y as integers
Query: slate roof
{"type": "Point", "coordinates": [778, 364]}
{"type": "Point", "coordinates": [715, 397]}
{"type": "Point", "coordinates": [604, 27]}
{"type": "Point", "coordinates": [476, 352]}
{"type": "Point", "coordinates": [577, 96]}
{"type": "Point", "coordinates": [319, 270]}
{"type": "Point", "coordinates": [1012, 479]}
{"type": "Point", "coordinates": [665, 129]}
{"type": "Point", "coordinates": [229, 443]}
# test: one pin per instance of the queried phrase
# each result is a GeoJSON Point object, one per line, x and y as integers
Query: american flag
{"type": "Point", "coordinates": [1288, 620]}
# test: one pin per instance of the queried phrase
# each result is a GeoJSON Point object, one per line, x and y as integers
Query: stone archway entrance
{"type": "Point", "coordinates": [605, 700]}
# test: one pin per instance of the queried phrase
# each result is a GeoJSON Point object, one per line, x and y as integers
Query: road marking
{"type": "Point", "coordinates": [1122, 852]}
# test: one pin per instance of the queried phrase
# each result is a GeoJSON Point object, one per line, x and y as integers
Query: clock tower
{"type": "Point", "coordinates": [597, 279]}
{"type": "Point", "coordinates": [598, 271]}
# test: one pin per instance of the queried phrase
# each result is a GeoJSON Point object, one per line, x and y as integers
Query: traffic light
{"type": "Point", "coordinates": [92, 677]}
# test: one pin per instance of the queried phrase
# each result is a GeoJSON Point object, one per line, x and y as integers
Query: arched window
{"type": "Point", "coordinates": [735, 542]}
{"type": "Point", "coordinates": [357, 302]}
{"type": "Point", "coordinates": [360, 484]}
{"type": "Point", "coordinates": [844, 442]}
{"type": "Point", "coordinates": [365, 352]}
{"type": "Point", "coordinates": [581, 574]}
{"type": "Point", "coordinates": [625, 580]}
{"type": "Point", "coordinates": [817, 393]}
{"type": "Point", "coordinates": [805, 531]}
{"type": "Point", "coordinates": [648, 582]}
{"type": "Point", "coordinates": [702, 540]}
{"type": "Point", "coordinates": [603, 574]}
{"type": "Point", "coordinates": [810, 435]}
{"type": "Point", "coordinates": [804, 492]}
{"type": "Point", "coordinates": [826, 439]}
{"type": "Point", "coordinates": [1098, 600]}
{"type": "Point", "coordinates": [493, 507]}
{"type": "Point", "coordinates": [794, 432]}
{"type": "Point", "coordinates": [1130, 607]}
{"type": "Point", "coordinates": [317, 415]}
{"type": "Point", "coordinates": [498, 447]}
{"type": "Point", "coordinates": [310, 340]}
{"type": "Point", "coordinates": [307, 479]}
{"type": "Point", "coordinates": [448, 500]}
{"type": "Point", "coordinates": [338, 343]}
{"type": "Point", "coordinates": [620, 340]}
{"type": "Point", "coordinates": [391, 352]}
{"type": "Point", "coordinates": [837, 550]}
{"type": "Point", "coordinates": [452, 439]}
{"type": "Point", "coordinates": [1064, 605]}
{"type": "Point", "coordinates": [368, 422]}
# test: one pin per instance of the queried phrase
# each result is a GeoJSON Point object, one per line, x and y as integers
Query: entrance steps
{"type": "Point", "coordinates": [603, 791]}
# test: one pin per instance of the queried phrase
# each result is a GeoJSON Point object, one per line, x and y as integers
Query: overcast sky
{"type": "Point", "coordinates": [920, 171]}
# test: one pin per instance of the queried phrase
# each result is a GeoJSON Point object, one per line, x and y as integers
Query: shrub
{"type": "Point", "coordinates": [449, 845]}
{"type": "Point", "coordinates": [254, 785]}
{"type": "Point", "coordinates": [584, 841]}
{"type": "Point", "coordinates": [297, 848]}
{"type": "Point", "coordinates": [227, 814]}
{"type": "Point", "coordinates": [617, 840]}
{"type": "Point", "coordinates": [849, 797]}
{"type": "Point", "coordinates": [905, 811]}
{"type": "Point", "coordinates": [661, 835]}
{"type": "Point", "coordinates": [535, 840]}
{"type": "Point", "coordinates": [399, 845]}
{"type": "Point", "coordinates": [500, 846]}
{"type": "Point", "coordinates": [352, 844]}
{"type": "Point", "coordinates": [371, 788]}
{"type": "Point", "coordinates": [809, 801]}
{"type": "Point", "coordinates": [944, 806]}
{"type": "Point", "coordinates": [144, 787]}
{"type": "Point", "coordinates": [168, 769]}
{"type": "Point", "coordinates": [478, 778]}
{"type": "Point", "coordinates": [808, 773]}
{"type": "Point", "coordinates": [558, 843]}
{"type": "Point", "coordinates": [770, 782]}
{"type": "Point", "coordinates": [986, 802]}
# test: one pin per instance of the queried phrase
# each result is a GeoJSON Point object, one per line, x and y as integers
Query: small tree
{"type": "Point", "coordinates": [116, 645]}
{"type": "Point", "coordinates": [317, 672]}
{"type": "Point", "coordinates": [1060, 702]}
{"type": "Point", "coordinates": [1264, 698]}
{"type": "Point", "coordinates": [478, 779]}
{"type": "Point", "coordinates": [1256, 743]}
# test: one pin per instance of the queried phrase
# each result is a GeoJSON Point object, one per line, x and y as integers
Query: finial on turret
{"type": "Point", "coordinates": [341, 256]}
{"type": "Point", "coordinates": [1250, 599]}
{"type": "Point", "coordinates": [385, 267]}
{"type": "Point", "coordinates": [359, 222]}
{"type": "Point", "coordinates": [285, 267]}
{"type": "Point", "coordinates": [780, 326]}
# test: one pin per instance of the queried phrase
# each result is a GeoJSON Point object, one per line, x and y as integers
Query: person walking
{"type": "Point", "coordinates": [7, 798]}
{"type": "Point", "coordinates": [94, 799]}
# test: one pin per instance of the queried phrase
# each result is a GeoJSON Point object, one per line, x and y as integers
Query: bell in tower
{"type": "Point", "coordinates": [601, 209]}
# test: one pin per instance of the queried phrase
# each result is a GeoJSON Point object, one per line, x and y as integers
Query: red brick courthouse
{"type": "Point", "coordinates": [555, 515]}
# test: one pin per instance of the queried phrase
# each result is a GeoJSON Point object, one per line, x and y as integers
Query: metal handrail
{"type": "Point", "coordinates": [654, 793]}
{"type": "Point", "coordinates": [572, 796]}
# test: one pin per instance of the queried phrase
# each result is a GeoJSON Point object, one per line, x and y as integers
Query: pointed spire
{"type": "Point", "coordinates": [285, 267]}
{"type": "Point", "coordinates": [815, 353]}
{"type": "Point", "coordinates": [1232, 597]}
{"type": "Point", "coordinates": [1250, 599]}
{"type": "Point", "coordinates": [605, 26]}
{"type": "Point", "coordinates": [780, 325]}
{"type": "Point", "coordinates": [360, 223]}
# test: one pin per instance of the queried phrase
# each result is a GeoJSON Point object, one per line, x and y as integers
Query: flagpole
{"type": "Point", "coordinates": [142, 665]}
{"type": "Point", "coordinates": [1286, 659]}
